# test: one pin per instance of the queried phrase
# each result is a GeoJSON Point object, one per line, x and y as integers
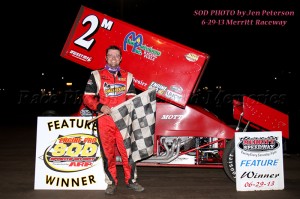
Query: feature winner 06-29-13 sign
{"type": "Point", "coordinates": [172, 68]}
{"type": "Point", "coordinates": [259, 161]}
{"type": "Point", "coordinates": [68, 155]}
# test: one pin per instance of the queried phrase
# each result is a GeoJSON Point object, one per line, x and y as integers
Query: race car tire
{"type": "Point", "coordinates": [228, 160]}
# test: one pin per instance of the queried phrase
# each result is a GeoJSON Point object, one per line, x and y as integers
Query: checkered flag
{"type": "Point", "coordinates": [135, 119]}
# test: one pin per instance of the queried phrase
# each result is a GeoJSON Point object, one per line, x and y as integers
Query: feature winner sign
{"type": "Point", "coordinates": [68, 155]}
{"type": "Point", "coordinates": [259, 161]}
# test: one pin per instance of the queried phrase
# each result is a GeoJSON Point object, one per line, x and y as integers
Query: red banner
{"type": "Point", "coordinates": [172, 68]}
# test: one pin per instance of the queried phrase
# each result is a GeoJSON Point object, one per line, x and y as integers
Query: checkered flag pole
{"type": "Point", "coordinates": [135, 119]}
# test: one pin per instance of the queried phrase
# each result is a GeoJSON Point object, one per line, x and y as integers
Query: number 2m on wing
{"type": "Point", "coordinates": [84, 41]}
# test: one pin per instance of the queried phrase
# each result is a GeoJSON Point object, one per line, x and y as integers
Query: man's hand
{"type": "Point", "coordinates": [105, 110]}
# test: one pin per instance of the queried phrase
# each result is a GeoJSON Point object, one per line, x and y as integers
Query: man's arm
{"type": "Point", "coordinates": [90, 96]}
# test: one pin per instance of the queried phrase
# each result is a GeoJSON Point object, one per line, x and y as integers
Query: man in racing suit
{"type": "Point", "coordinates": [106, 88]}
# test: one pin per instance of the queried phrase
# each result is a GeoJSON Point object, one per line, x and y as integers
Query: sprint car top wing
{"type": "Point", "coordinates": [172, 68]}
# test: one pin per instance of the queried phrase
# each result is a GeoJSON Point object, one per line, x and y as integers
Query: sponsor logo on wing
{"type": "Point", "coordinates": [160, 89]}
{"type": "Point", "coordinates": [192, 57]}
{"type": "Point", "coordinates": [174, 96]}
{"type": "Point", "coordinates": [138, 47]}
{"type": "Point", "coordinates": [177, 89]}
{"type": "Point", "coordinates": [140, 82]}
{"type": "Point", "coordinates": [80, 56]}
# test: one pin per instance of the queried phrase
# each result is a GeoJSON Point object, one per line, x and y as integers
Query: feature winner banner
{"type": "Point", "coordinates": [68, 155]}
{"type": "Point", "coordinates": [259, 161]}
{"type": "Point", "coordinates": [173, 69]}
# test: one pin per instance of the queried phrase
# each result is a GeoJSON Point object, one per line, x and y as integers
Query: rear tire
{"type": "Point", "coordinates": [228, 160]}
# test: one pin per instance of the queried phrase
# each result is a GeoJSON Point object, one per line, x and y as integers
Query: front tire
{"type": "Point", "coordinates": [228, 160]}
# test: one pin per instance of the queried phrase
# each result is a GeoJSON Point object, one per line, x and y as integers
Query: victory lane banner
{"type": "Point", "coordinates": [68, 155]}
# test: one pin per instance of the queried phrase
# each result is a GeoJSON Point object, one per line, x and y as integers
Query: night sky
{"type": "Point", "coordinates": [240, 56]}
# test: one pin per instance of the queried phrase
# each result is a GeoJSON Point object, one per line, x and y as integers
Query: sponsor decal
{"type": "Point", "coordinates": [174, 96]}
{"type": "Point", "coordinates": [104, 77]}
{"type": "Point", "coordinates": [171, 117]}
{"type": "Point", "coordinates": [184, 159]}
{"type": "Point", "coordinates": [149, 56]}
{"type": "Point", "coordinates": [85, 112]}
{"type": "Point", "coordinates": [176, 89]}
{"type": "Point", "coordinates": [114, 90]}
{"type": "Point", "coordinates": [160, 89]}
{"type": "Point", "coordinates": [90, 82]}
{"type": "Point", "coordinates": [140, 82]}
{"type": "Point", "coordinates": [122, 79]}
{"type": "Point", "coordinates": [192, 57]}
{"type": "Point", "coordinates": [136, 41]}
{"type": "Point", "coordinates": [80, 56]}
